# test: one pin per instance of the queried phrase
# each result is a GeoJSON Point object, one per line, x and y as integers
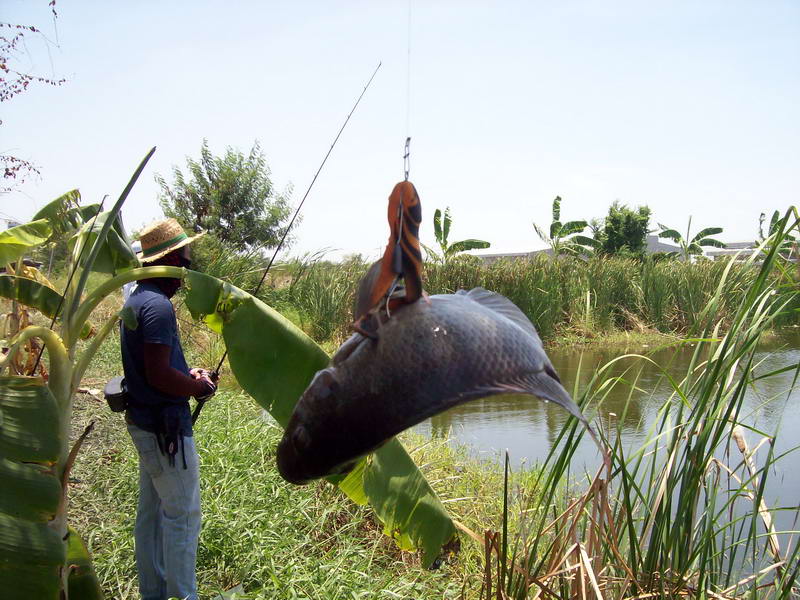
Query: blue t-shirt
{"type": "Point", "coordinates": [156, 325]}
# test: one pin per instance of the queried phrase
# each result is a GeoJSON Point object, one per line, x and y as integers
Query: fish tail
{"type": "Point", "coordinates": [544, 386]}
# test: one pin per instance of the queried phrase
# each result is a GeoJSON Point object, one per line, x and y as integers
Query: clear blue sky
{"type": "Point", "coordinates": [688, 107]}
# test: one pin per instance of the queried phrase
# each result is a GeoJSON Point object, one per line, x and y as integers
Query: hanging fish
{"type": "Point", "coordinates": [428, 357]}
{"type": "Point", "coordinates": [380, 289]}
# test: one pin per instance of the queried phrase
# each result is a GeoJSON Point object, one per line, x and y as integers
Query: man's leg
{"type": "Point", "coordinates": [179, 490]}
{"type": "Point", "coordinates": [148, 536]}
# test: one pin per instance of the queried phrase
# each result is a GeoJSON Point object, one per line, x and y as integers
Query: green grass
{"type": "Point", "coordinates": [682, 516]}
{"type": "Point", "coordinates": [670, 520]}
{"type": "Point", "coordinates": [278, 540]}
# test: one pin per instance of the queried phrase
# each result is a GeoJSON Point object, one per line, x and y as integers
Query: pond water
{"type": "Point", "coordinates": [527, 426]}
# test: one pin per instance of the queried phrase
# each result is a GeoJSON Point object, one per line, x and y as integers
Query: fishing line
{"type": "Point", "coordinates": [69, 279]}
{"type": "Point", "coordinates": [407, 149]}
{"type": "Point", "coordinates": [299, 206]}
{"type": "Point", "coordinates": [408, 75]}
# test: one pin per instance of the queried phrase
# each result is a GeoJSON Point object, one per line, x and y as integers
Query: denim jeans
{"type": "Point", "coordinates": [167, 519]}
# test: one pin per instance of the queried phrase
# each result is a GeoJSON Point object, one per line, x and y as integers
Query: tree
{"type": "Point", "coordinates": [231, 197]}
{"type": "Point", "coordinates": [625, 230]}
{"type": "Point", "coordinates": [441, 229]}
{"type": "Point", "coordinates": [691, 246]}
{"type": "Point", "coordinates": [559, 239]}
{"type": "Point", "coordinates": [13, 37]}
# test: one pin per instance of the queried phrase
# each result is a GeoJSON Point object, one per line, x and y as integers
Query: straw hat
{"type": "Point", "coordinates": [161, 238]}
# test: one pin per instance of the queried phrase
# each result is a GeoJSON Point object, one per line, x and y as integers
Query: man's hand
{"type": "Point", "coordinates": [209, 390]}
{"type": "Point", "coordinates": [197, 372]}
{"type": "Point", "coordinates": [206, 377]}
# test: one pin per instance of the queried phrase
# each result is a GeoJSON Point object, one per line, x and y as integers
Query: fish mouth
{"type": "Point", "coordinates": [290, 465]}
{"type": "Point", "coordinates": [295, 468]}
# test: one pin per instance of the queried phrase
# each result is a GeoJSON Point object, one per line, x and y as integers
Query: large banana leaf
{"type": "Point", "coordinates": [83, 584]}
{"type": "Point", "coordinates": [115, 255]}
{"type": "Point", "coordinates": [470, 244]}
{"type": "Point", "coordinates": [65, 213]}
{"type": "Point", "coordinates": [15, 241]}
{"type": "Point", "coordinates": [35, 295]}
{"type": "Point", "coordinates": [31, 550]}
{"type": "Point", "coordinates": [274, 361]}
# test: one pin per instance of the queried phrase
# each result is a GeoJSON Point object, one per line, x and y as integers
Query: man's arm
{"type": "Point", "coordinates": [167, 379]}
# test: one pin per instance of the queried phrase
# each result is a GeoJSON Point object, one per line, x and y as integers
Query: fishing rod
{"type": "Point", "coordinates": [69, 279]}
{"type": "Point", "coordinates": [215, 373]}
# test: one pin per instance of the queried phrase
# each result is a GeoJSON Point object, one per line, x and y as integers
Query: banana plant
{"type": "Point", "coordinates": [13, 242]}
{"type": "Point", "coordinates": [441, 229]}
{"type": "Point", "coordinates": [41, 556]}
{"type": "Point", "coordinates": [559, 238]}
{"type": "Point", "coordinates": [691, 246]}
{"type": "Point", "coordinates": [788, 245]}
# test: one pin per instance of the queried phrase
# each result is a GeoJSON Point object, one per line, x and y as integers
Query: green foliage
{"type": "Point", "coordinates": [34, 295]}
{"type": "Point", "coordinates": [114, 255]}
{"type": "Point", "coordinates": [17, 240]}
{"type": "Point", "coordinates": [448, 251]}
{"type": "Point", "coordinates": [35, 539]}
{"type": "Point", "coordinates": [276, 540]}
{"type": "Point", "coordinates": [83, 584]}
{"type": "Point", "coordinates": [691, 246]}
{"type": "Point", "coordinates": [243, 269]}
{"type": "Point", "coordinates": [322, 293]}
{"type": "Point", "coordinates": [623, 293]}
{"type": "Point", "coordinates": [679, 516]}
{"type": "Point", "coordinates": [65, 215]}
{"type": "Point", "coordinates": [272, 359]}
{"type": "Point", "coordinates": [788, 243]}
{"type": "Point", "coordinates": [559, 238]}
{"type": "Point", "coordinates": [625, 231]}
{"type": "Point", "coordinates": [231, 196]}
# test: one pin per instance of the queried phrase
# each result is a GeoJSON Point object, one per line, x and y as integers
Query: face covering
{"type": "Point", "coordinates": [169, 285]}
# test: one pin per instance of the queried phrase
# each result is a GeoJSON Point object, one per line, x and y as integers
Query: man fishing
{"type": "Point", "coordinates": [159, 384]}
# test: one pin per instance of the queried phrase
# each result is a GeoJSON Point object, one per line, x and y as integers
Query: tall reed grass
{"type": "Point", "coordinates": [622, 293]}
{"type": "Point", "coordinates": [318, 295]}
{"type": "Point", "coordinates": [683, 516]}
{"type": "Point", "coordinates": [569, 296]}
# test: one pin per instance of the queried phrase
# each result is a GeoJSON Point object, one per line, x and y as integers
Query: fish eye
{"type": "Point", "coordinates": [300, 439]}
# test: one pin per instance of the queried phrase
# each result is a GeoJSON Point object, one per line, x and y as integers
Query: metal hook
{"type": "Point", "coordinates": [406, 157]}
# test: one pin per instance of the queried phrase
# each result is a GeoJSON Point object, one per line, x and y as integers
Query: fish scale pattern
{"type": "Point", "coordinates": [430, 356]}
{"type": "Point", "coordinates": [445, 352]}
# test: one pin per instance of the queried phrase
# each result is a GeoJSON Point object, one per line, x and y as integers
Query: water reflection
{"type": "Point", "coordinates": [528, 427]}
{"type": "Point", "coordinates": [631, 397]}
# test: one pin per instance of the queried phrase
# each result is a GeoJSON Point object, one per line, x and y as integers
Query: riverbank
{"type": "Point", "coordinates": [279, 540]}
{"type": "Point", "coordinates": [276, 539]}
{"type": "Point", "coordinates": [282, 541]}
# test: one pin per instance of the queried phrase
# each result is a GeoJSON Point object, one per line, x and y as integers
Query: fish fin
{"type": "Point", "coordinates": [540, 384]}
{"type": "Point", "coordinates": [361, 304]}
{"type": "Point", "coordinates": [503, 306]}
{"type": "Point", "coordinates": [543, 385]}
